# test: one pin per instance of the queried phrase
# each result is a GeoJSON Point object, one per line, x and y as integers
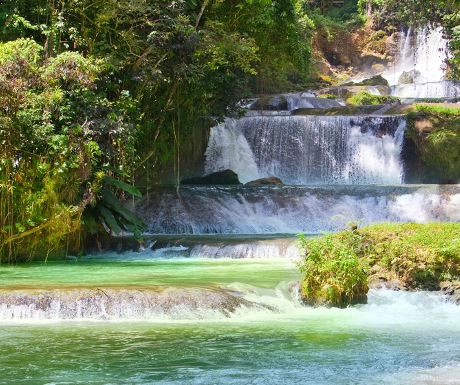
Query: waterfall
{"type": "Point", "coordinates": [293, 209]}
{"type": "Point", "coordinates": [310, 149]}
{"type": "Point", "coordinates": [420, 67]}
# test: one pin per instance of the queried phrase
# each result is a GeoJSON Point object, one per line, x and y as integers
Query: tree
{"type": "Point", "coordinates": [58, 130]}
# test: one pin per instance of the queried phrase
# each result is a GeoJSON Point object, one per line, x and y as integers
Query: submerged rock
{"type": "Point", "coordinates": [225, 177]}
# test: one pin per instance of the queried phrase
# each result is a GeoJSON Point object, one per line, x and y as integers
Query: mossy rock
{"type": "Point", "coordinates": [339, 111]}
{"type": "Point", "coordinates": [338, 267]}
{"type": "Point", "coordinates": [377, 80]}
{"type": "Point", "coordinates": [270, 103]}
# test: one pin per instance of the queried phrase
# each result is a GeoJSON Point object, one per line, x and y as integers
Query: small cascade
{"type": "Point", "coordinates": [420, 67]}
{"type": "Point", "coordinates": [234, 247]}
{"type": "Point", "coordinates": [293, 209]}
{"type": "Point", "coordinates": [122, 304]}
{"type": "Point", "coordinates": [310, 149]}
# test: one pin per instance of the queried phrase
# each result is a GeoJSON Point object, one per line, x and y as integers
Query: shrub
{"type": "Point", "coordinates": [366, 98]}
{"type": "Point", "coordinates": [334, 274]}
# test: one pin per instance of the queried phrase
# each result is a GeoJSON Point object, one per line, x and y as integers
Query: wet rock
{"type": "Point", "coordinates": [270, 181]}
{"type": "Point", "coordinates": [270, 103]}
{"type": "Point", "coordinates": [408, 77]}
{"type": "Point", "coordinates": [377, 80]}
{"type": "Point", "coordinates": [451, 291]}
{"type": "Point", "coordinates": [384, 283]}
{"type": "Point", "coordinates": [225, 177]}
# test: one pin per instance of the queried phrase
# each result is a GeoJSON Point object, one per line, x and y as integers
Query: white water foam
{"type": "Point", "coordinates": [414, 311]}
{"type": "Point", "coordinates": [229, 149]}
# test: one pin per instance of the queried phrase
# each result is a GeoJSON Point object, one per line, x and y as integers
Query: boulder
{"type": "Point", "coordinates": [270, 181]}
{"type": "Point", "coordinates": [408, 77]}
{"type": "Point", "coordinates": [225, 177]}
{"type": "Point", "coordinates": [270, 103]}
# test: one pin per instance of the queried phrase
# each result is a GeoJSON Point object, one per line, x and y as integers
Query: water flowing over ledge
{"type": "Point", "coordinates": [161, 304]}
{"type": "Point", "coordinates": [293, 209]}
{"type": "Point", "coordinates": [310, 149]}
{"type": "Point", "coordinates": [420, 67]}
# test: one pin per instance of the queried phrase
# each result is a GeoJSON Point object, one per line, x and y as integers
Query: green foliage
{"type": "Point", "coordinates": [337, 266]}
{"type": "Point", "coordinates": [437, 109]}
{"type": "Point", "coordinates": [421, 255]}
{"type": "Point", "coordinates": [328, 96]}
{"type": "Point", "coordinates": [57, 127]}
{"type": "Point", "coordinates": [105, 214]}
{"type": "Point", "coordinates": [366, 98]}
{"type": "Point", "coordinates": [334, 273]}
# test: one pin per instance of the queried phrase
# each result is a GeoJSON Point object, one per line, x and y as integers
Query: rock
{"type": "Point", "coordinates": [408, 77]}
{"type": "Point", "coordinates": [225, 177]}
{"type": "Point", "coordinates": [377, 80]}
{"type": "Point", "coordinates": [451, 291]}
{"type": "Point", "coordinates": [342, 110]}
{"type": "Point", "coordinates": [271, 181]}
{"type": "Point", "coordinates": [270, 103]}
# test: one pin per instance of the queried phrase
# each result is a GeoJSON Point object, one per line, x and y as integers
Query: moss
{"type": "Point", "coordinates": [377, 80]}
{"type": "Point", "coordinates": [340, 110]}
{"type": "Point", "coordinates": [366, 98]}
{"type": "Point", "coordinates": [337, 267]}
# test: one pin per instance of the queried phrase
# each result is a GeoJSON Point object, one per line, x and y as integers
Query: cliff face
{"type": "Point", "coordinates": [340, 54]}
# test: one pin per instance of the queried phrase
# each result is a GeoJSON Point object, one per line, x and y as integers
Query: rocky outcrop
{"type": "Point", "coordinates": [225, 177]}
{"type": "Point", "coordinates": [346, 92]}
{"type": "Point", "coordinates": [342, 110]}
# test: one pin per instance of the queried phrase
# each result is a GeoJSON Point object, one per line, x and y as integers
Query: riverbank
{"type": "Point", "coordinates": [339, 268]}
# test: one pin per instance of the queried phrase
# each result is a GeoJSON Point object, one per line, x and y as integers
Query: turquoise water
{"type": "Point", "coordinates": [397, 338]}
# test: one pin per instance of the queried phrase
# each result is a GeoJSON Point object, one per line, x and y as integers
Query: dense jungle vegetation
{"type": "Point", "coordinates": [99, 96]}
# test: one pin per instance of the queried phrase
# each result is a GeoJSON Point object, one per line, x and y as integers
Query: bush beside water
{"type": "Point", "coordinates": [338, 267]}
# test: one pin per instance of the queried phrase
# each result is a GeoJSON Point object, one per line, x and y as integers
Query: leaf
{"type": "Point", "coordinates": [110, 199]}
{"type": "Point", "coordinates": [122, 185]}
{"type": "Point", "coordinates": [110, 220]}
{"type": "Point", "coordinates": [90, 222]}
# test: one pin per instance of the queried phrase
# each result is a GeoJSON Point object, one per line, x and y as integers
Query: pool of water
{"type": "Point", "coordinates": [397, 338]}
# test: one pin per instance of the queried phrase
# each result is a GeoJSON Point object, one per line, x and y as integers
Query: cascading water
{"type": "Point", "coordinates": [293, 209]}
{"type": "Point", "coordinates": [310, 149]}
{"type": "Point", "coordinates": [420, 67]}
